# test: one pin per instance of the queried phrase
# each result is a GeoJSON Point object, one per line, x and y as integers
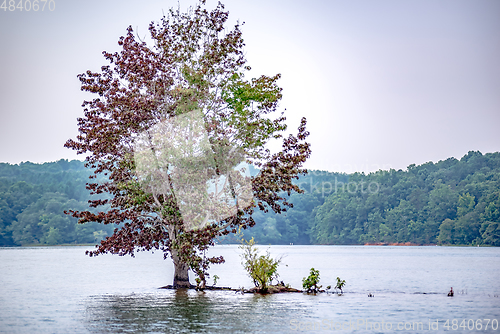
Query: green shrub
{"type": "Point", "coordinates": [261, 268]}
{"type": "Point", "coordinates": [340, 284]}
{"type": "Point", "coordinates": [310, 283]}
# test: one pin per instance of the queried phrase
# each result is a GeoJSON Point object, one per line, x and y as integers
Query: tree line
{"type": "Point", "coordinates": [33, 198]}
{"type": "Point", "coordinates": [451, 202]}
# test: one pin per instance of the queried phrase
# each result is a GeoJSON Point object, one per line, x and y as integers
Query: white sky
{"type": "Point", "coordinates": [383, 84]}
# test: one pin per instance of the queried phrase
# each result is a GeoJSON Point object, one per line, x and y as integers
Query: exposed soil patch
{"type": "Point", "coordinates": [270, 289]}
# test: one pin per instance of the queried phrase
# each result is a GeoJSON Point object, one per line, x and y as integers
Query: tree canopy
{"type": "Point", "coordinates": [33, 198]}
{"type": "Point", "coordinates": [192, 66]}
{"type": "Point", "coordinates": [449, 202]}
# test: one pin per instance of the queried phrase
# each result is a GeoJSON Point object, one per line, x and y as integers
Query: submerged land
{"type": "Point", "coordinates": [270, 289]}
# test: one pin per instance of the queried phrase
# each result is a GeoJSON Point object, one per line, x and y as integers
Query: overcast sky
{"type": "Point", "coordinates": [383, 84]}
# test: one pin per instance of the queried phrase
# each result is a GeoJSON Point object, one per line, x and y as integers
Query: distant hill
{"type": "Point", "coordinates": [33, 198]}
{"type": "Point", "coordinates": [455, 202]}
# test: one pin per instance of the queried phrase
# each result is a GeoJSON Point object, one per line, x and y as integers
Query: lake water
{"type": "Point", "coordinates": [60, 290]}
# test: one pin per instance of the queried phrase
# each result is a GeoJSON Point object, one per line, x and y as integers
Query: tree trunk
{"type": "Point", "coordinates": [181, 275]}
{"type": "Point", "coordinates": [203, 282]}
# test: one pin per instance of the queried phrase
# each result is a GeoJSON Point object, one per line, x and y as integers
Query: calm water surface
{"type": "Point", "coordinates": [60, 290]}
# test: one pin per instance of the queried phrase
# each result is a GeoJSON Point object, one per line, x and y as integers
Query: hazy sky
{"type": "Point", "coordinates": [383, 84]}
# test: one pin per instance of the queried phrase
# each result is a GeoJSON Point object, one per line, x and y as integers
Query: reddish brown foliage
{"type": "Point", "coordinates": [193, 64]}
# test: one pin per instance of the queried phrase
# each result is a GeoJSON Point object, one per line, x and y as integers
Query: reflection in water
{"type": "Point", "coordinates": [184, 311]}
{"type": "Point", "coordinates": [54, 290]}
{"type": "Point", "coordinates": [168, 311]}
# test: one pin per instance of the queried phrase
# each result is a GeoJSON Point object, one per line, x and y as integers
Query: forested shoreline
{"type": "Point", "coordinates": [451, 202]}
{"type": "Point", "coordinates": [33, 198]}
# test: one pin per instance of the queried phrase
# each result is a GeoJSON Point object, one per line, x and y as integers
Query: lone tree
{"type": "Point", "coordinates": [193, 66]}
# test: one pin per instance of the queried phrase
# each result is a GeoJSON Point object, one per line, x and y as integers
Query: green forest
{"type": "Point", "coordinates": [451, 202]}
{"type": "Point", "coordinates": [33, 198]}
